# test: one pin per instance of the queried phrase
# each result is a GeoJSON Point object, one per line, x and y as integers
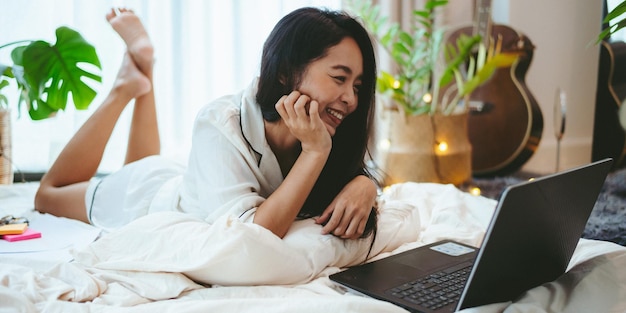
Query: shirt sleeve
{"type": "Point", "coordinates": [222, 175]}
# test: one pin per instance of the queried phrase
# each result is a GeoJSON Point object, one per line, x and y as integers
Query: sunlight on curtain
{"type": "Point", "coordinates": [203, 50]}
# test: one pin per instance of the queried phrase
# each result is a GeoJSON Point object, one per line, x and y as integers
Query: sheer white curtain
{"type": "Point", "coordinates": [204, 49]}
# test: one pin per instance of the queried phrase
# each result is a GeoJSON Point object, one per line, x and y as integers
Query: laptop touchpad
{"type": "Point", "coordinates": [435, 257]}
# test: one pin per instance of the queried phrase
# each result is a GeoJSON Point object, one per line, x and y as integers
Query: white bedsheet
{"type": "Point", "coordinates": [171, 262]}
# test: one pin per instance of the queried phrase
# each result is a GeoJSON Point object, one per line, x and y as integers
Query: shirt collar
{"type": "Point", "coordinates": [252, 124]}
{"type": "Point", "coordinates": [253, 130]}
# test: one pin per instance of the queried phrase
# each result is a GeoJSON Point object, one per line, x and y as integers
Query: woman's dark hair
{"type": "Point", "coordinates": [299, 38]}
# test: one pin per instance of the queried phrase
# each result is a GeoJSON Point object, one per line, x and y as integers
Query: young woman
{"type": "Point", "coordinates": [291, 145]}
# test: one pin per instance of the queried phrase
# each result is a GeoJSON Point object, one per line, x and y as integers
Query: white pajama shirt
{"type": "Point", "coordinates": [231, 170]}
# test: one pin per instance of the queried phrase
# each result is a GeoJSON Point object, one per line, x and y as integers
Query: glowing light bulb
{"type": "Point", "coordinates": [442, 146]}
{"type": "Point", "coordinates": [427, 97]}
{"type": "Point", "coordinates": [384, 144]}
{"type": "Point", "coordinates": [475, 191]}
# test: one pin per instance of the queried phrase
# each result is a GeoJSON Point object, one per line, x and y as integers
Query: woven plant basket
{"type": "Point", "coordinates": [424, 148]}
{"type": "Point", "coordinates": [6, 168]}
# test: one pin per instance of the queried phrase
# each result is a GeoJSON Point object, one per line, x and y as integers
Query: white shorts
{"type": "Point", "coordinates": [115, 200]}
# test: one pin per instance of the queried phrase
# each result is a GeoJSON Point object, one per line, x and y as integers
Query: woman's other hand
{"type": "Point", "coordinates": [347, 215]}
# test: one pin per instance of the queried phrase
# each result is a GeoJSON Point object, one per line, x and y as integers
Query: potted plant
{"type": "Point", "coordinates": [422, 131]}
{"type": "Point", "coordinates": [45, 75]}
{"type": "Point", "coordinates": [615, 19]}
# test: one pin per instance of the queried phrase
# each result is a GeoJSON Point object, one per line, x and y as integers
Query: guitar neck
{"type": "Point", "coordinates": [482, 20]}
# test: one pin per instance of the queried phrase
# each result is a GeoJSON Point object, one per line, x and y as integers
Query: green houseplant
{"type": "Point", "coordinates": [416, 52]}
{"type": "Point", "coordinates": [45, 75]}
{"type": "Point", "coordinates": [422, 135]}
{"type": "Point", "coordinates": [615, 20]}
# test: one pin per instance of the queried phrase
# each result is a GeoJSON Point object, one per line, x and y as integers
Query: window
{"type": "Point", "coordinates": [620, 35]}
{"type": "Point", "coordinates": [203, 49]}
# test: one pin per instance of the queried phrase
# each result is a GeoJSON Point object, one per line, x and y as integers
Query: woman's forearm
{"type": "Point", "coordinates": [278, 212]}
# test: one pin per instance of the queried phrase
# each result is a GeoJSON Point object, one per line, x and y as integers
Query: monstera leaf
{"type": "Point", "coordinates": [48, 74]}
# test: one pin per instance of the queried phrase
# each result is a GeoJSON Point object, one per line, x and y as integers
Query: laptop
{"type": "Point", "coordinates": [530, 240]}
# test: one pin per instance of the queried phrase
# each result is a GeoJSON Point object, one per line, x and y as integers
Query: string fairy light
{"type": "Point", "coordinates": [442, 146]}
{"type": "Point", "coordinates": [396, 84]}
{"type": "Point", "coordinates": [475, 191]}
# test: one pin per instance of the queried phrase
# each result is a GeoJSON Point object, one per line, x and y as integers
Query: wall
{"type": "Point", "coordinates": [563, 32]}
{"type": "Point", "coordinates": [566, 56]}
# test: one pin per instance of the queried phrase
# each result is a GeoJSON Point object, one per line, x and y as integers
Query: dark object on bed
{"type": "Point", "coordinates": [608, 218]}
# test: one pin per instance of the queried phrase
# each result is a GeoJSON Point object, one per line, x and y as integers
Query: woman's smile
{"type": "Point", "coordinates": [335, 116]}
{"type": "Point", "coordinates": [333, 81]}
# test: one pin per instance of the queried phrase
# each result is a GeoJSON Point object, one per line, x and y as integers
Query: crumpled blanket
{"type": "Point", "coordinates": [170, 261]}
{"type": "Point", "coordinates": [230, 252]}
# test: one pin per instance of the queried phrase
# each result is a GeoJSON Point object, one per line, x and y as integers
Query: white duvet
{"type": "Point", "coordinates": [172, 262]}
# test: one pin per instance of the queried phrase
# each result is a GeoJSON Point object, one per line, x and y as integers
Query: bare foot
{"type": "Point", "coordinates": [130, 80]}
{"type": "Point", "coordinates": [129, 27]}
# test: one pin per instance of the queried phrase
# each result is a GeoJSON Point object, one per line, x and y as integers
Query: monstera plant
{"type": "Point", "coordinates": [46, 74]}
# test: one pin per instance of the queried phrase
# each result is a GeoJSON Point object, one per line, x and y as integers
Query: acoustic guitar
{"type": "Point", "coordinates": [505, 122]}
{"type": "Point", "coordinates": [609, 137]}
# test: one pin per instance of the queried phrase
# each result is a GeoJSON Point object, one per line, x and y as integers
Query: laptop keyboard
{"type": "Point", "coordinates": [435, 290]}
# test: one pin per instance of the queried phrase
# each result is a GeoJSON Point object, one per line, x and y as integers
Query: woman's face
{"type": "Point", "coordinates": [333, 81]}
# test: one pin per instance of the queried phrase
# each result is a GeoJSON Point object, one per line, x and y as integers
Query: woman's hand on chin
{"type": "Point", "coordinates": [301, 115]}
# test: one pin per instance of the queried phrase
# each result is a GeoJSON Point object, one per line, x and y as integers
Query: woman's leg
{"type": "Point", "coordinates": [144, 138]}
{"type": "Point", "coordinates": [62, 189]}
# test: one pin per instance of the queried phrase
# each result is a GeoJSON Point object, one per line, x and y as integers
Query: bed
{"type": "Point", "coordinates": [171, 262]}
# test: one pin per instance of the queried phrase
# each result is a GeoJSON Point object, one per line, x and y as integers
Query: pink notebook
{"type": "Point", "coordinates": [28, 234]}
